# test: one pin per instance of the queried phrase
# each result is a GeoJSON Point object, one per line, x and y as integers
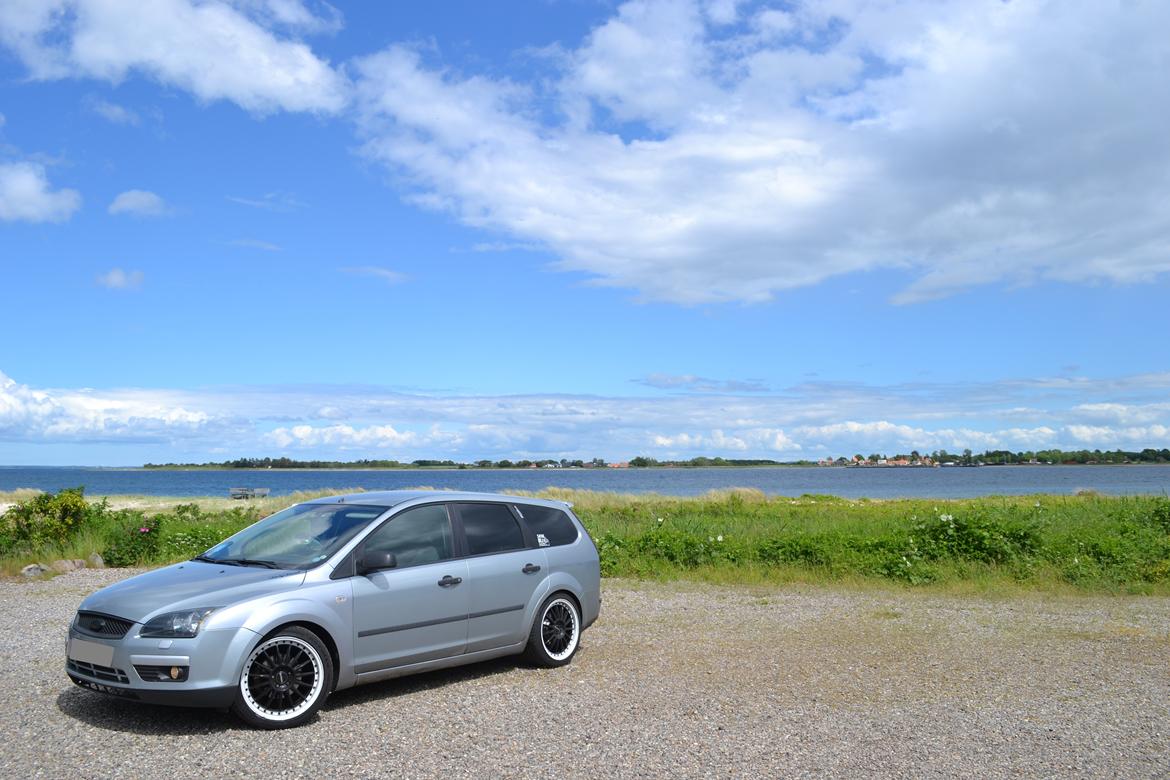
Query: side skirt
{"type": "Point", "coordinates": [438, 663]}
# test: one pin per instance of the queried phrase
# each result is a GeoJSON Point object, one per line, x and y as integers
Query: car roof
{"type": "Point", "coordinates": [389, 498]}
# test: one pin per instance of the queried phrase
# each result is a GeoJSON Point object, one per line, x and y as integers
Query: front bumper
{"type": "Point", "coordinates": [214, 659]}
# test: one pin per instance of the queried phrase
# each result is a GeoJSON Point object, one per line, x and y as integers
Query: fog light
{"type": "Point", "coordinates": [175, 672]}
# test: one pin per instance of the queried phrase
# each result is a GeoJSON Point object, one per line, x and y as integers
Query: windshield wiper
{"type": "Point", "coordinates": [250, 562]}
{"type": "Point", "coordinates": [206, 559]}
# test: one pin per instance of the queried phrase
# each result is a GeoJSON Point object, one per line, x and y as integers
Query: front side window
{"type": "Point", "coordinates": [490, 528]}
{"type": "Point", "coordinates": [415, 537]}
{"type": "Point", "coordinates": [299, 537]}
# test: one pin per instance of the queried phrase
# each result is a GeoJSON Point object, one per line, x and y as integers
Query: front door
{"type": "Point", "coordinates": [416, 611]}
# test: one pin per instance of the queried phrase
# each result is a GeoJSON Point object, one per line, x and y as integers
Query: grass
{"type": "Point", "coordinates": [994, 545]}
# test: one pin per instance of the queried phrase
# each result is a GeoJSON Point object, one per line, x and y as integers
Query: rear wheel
{"type": "Point", "coordinates": [556, 632]}
{"type": "Point", "coordinates": [285, 680]}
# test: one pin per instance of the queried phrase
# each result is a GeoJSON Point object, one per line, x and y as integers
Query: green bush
{"type": "Point", "coordinates": [1160, 514]}
{"type": "Point", "coordinates": [134, 540]}
{"type": "Point", "coordinates": [612, 553]}
{"type": "Point", "coordinates": [189, 541]}
{"type": "Point", "coordinates": [48, 519]}
{"type": "Point", "coordinates": [977, 537]}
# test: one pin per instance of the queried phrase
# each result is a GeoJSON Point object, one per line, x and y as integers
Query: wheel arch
{"type": "Point", "coordinates": [549, 594]}
{"type": "Point", "coordinates": [326, 638]}
{"type": "Point", "coordinates": [557, 591]}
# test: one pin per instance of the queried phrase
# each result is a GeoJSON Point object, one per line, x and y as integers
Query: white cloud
{"type": "Point", "coordinates": [117, 279]}
{"type": "Point", "coordinates": [963, 143]}
{"type": "Point", "coordinates": [27, 196]}
{"type": "Point", "coordinates": [384, 274]}
{"type": "Point", "coordinates": [757, 440]}
{"type": "Point", "coordinates": [141, 203]}
{"type": "Point", "coordinates": [346, 437]}
{"type": "Point", "coordinates": [112, 112]}
{"type": "Point", "coordinates": [895, 437]}
{"type": "Point", "coordinates": [211, 49]}
{"type": "Point", "coordinates": [1105, 437]}
{"type": "Point", "coordinates": [32, 415]}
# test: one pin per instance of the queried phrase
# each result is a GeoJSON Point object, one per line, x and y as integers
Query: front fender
{"type": "Point", "coordinates": [327, 605]}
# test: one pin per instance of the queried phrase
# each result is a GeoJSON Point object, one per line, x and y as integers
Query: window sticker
{"type": "Point", "coordinates": [542, 540]}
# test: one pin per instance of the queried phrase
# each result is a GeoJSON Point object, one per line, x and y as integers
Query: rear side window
{"type": "Point", "coordinates": [490, 528]}
{"type": "Point", "coordinates": [551, 524]}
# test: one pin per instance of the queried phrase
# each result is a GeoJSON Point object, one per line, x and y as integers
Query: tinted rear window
{"type": "Point", "coordinates": [553, 524]}
{"type": "Point", "coordinates": [490, 528]}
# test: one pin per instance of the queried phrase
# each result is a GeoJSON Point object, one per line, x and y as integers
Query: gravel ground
{"type": "Point", "coordinates": [679, 680]}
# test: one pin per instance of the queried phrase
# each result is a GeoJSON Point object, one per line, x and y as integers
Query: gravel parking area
{"type": "Point", "coordinates": [679, 680]}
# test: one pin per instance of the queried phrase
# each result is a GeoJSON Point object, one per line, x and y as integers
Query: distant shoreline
{"type": "Point", "coordinates": [571, 468]}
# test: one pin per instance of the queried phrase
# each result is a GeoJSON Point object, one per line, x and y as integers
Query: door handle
{"type": "Point", "coordinates": [449, 581]}
{"type": "Point", "coordinates": [530, 568]}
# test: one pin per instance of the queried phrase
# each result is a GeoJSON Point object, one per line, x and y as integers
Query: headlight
{"type": "Point", "coordinates": [177, 624]}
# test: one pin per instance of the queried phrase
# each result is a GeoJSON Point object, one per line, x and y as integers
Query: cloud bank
{"type": "Point", "coordinates": [807, 421]}
{"type": "Point", "coordinates": [730, 155]}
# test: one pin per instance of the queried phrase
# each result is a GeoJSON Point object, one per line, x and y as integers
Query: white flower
{"type": "Point", "coordinates": [719, 538]}
{"type": "Point", "coordinates": [710, 538]}
{"type": "Point", "coordinates": [946, 518]}
{"type": "Point", "coordinates": [660, 520]}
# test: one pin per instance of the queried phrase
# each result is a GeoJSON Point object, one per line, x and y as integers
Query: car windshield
{"type": "Point", "coordinates": [299, 537]}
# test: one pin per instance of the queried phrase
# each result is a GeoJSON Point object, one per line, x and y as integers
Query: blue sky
{"type": "Point", "coordinates": [577, 229]}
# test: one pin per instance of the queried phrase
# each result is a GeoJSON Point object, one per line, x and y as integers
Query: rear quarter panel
{"type": "Point", "coordinates": [576, 568]}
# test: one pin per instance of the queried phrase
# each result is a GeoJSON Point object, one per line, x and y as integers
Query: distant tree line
{"type": "Point", "coordinates": [701, 462]}
{"type": "Point", "coordinates": [289, 463]}
{"type": "Point", "coordinates": [965, 458]}
{"type": "Point", "coordinates": [1007, 457]}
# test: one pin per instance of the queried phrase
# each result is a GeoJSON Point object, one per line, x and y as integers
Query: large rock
{"type": "Point", "coordinates": [96, 561]}
{"type": "Point", "coordinates": [66, 565]}
{"type": "Point", "coordinates": [34, 570]}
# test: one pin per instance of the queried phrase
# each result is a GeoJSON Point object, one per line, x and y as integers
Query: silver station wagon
{"type": "Point", "coordinates": [341, 591]}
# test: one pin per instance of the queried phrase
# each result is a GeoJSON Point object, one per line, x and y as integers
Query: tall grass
{"type": "Point", "coordinates": [1084, 543]}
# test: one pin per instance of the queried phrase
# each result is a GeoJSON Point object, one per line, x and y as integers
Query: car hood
{"type": "Point", "coordinates": [189, 585]}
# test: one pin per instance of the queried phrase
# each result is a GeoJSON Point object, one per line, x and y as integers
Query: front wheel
{"type": "Point", "coordinates": [556, 632]}
{"type": "Point", "coordinates": [285, 680]}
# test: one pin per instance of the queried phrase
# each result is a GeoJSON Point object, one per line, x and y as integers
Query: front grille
{"type": "Point", "coordinates": [97, 624]}
{"type": "Point", "coordinates": [98, 672]}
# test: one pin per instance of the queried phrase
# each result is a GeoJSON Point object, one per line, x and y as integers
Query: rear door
{"type": "Point", "coordinates": [417, 611]}
{"type": "Point", "coordinates": [505, 570]}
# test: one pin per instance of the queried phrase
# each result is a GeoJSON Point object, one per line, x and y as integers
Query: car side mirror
{"type": "Point", "coordinates": [375, 560]}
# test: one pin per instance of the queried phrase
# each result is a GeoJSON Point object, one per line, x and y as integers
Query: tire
{"type": "Point", "coordinates": [285, 679]}
{"type": "Point", "coordinates": [556, 632]}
